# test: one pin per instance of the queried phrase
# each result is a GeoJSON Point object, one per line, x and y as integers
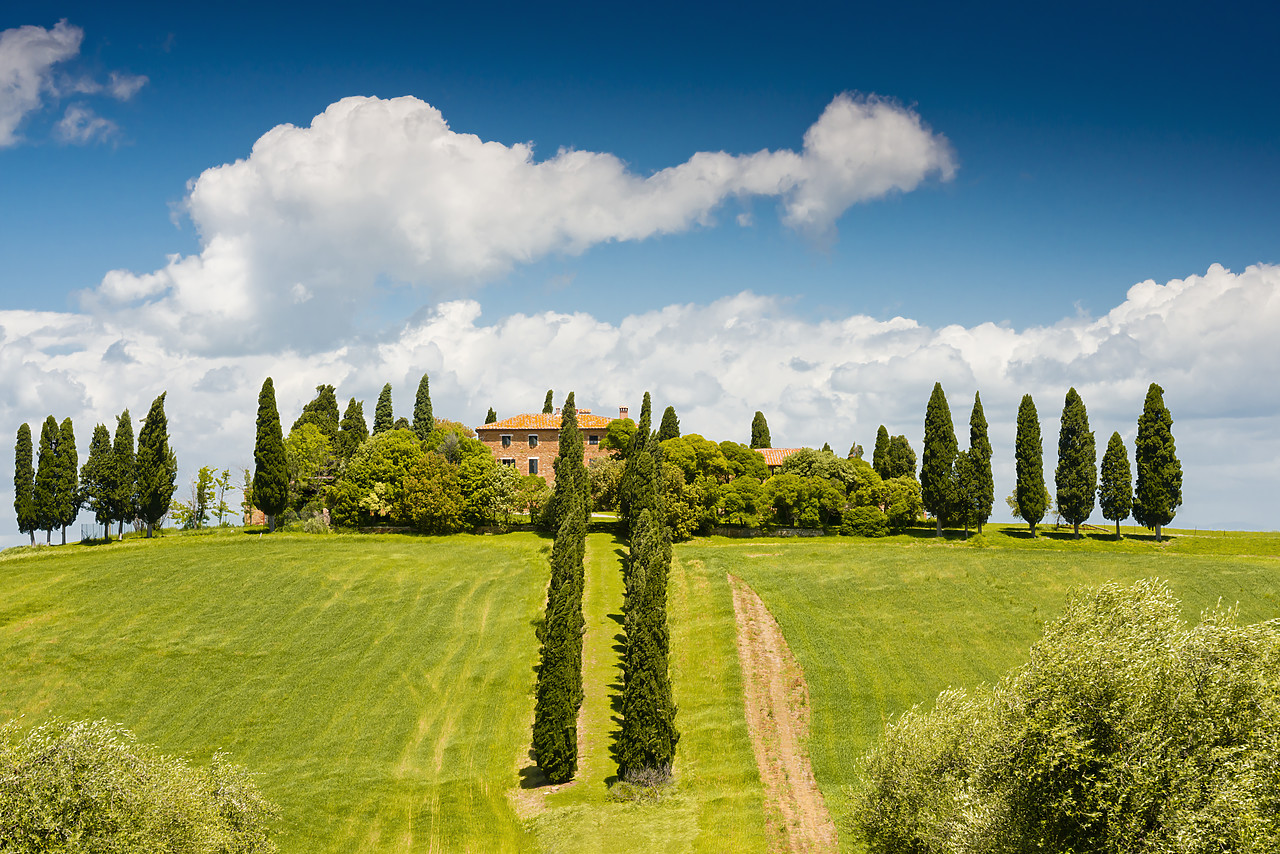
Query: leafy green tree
{"type": "Point", "coordinates": [939, 457]}
{"type": "Point", "coordinates": [549, 405]}
{"type": "Point", "coordinates": [760, 432]}
{"type": "Point", "coordinates": [491, 417]}
{"type": "Point", "coordinates": [619, 437]}
{"type": "Point", "coordinates": [696, 457]}
{"type": "Point", "coordinates": [322, 412]}
{"type": "Point", "coordinates": [380, 465]}
{"type": "Point", "coordinates": [744, 460]}
{"type": "Point", "coordinates": [902, 459]}
{"type": "Point", "coordinates": [45, 492]}
{"type": "Point", "coordinates": [430, 496]}
{"type": "Point", "coordinates": [383, 417]}
{"type": "Point", "coordinates": [1076, 476]}
{"type": "Point", "coordinates": [221, 510]}
{"type": "Point", "coordinates": [124, 474]}
{"type": "Point", "coordinates": [880, 456]}
{"type": "Point", "coordinates": [308, 459]}
{"type": "Point", "coordinates": [271, 466]}
{"type": "Point", "coordinates": [741, 501]}
{"type": "Point", "coordinates": [91, 786]}
{"type": "Point", "coordinates": [158, 466]}
{"type": "Point", "coordinates": [1115, 485]}
{"type": "Point", "coordinates": [68, 490]}
{"type": "Point", "coordinates": [965, 492]}
{"type": "Point", "coordinates": [489, 489]}
{"type": "Point", "coordinates": [1126, 731]}
{"type": "Point", "coordinates": [95, 484]}
{"type": "Point", "coordinates": [424, 421]}
{"type": "Point", "coordinates": [194, 513]}
{"type": "Point", "coordinates": [352, 432]}
{"type": "Point", "coordinates": [867, 521]}
{"type": "Point", "coordinates": [903, 505]}
{"type": "Point", "coordinates": [1031, 495]}
{"type": "Point", "coordinates": [802, 502]}
{"type": "Point", "coordinates": [980, 457]}
{"type": "Point", "coordinates": [1159, 490]}
{"type": "Point", "coordinates": [670, 426]}
{"type": "Point", "coordinates": [855, 450]}
{"type": "Point", "coordinates": [605, 474]}
{"type": "Point", "coordinates": [24, 484]}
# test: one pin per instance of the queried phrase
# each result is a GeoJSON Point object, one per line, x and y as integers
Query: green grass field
{"type": "Point", "coordinates": [881, 625]}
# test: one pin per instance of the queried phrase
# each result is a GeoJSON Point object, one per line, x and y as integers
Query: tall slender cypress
{"type": "Point", "coordinates": [571, 472]}
{"type": "Point", "coordinates": [322, 412]}
{"type": "Point", "coordinates": [901, 460]}
{"type": "Point", "coordinates": [491, 417]}
{"type": "Point", "coordinates": [1115, 484]}
{"type": "Point", "coordinates": [424, 420]}
{"type": "Point", "coordinates": [353, 431]}
{"type": "Point", "coordinates": [45, 492]}
{"type": "Point", "coordinates": [632, 476]}
{"type": "Point", "coordinates": [1076, 477]}
{"type": "Point", "coordinates": [24, 478]}
{"type": "Point", "coordinates": [270, 472]}
{"type": "Point", "coordinates": [383, 416]}
{"type": "Point", "coordinates": [549, 405]}
{"type": "Point", "coordinates": [1031, 494]}
{"type": "Point", "coordinates": [95, 478]}
{"type": "Point", "coordinates": [1159, 489]}
{"type": "Point", "coordinates": [124, 473]}
{"type": "Point", "coordinates": [760, 437]}
{"type": "Point", "coordinates": [880, 455]}
{"type": "Point", "coordinates": [670, 426]}
{"type": "Point", "coordinates": [158, 466]}
{"type": "Point", "coordinates": [938, 457]}
{"type": "Point", "coordinates": [980, 458]}
{"type": "Point", "coordinates": [68, 503]}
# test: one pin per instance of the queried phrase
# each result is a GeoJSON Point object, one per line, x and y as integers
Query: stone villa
{"type": "Point", "coordinates": [530, 442]}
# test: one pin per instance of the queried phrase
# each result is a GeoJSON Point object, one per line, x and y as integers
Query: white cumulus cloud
{"type": "Point", "coordinates": [381, 190]}
{"type": "Point", "coordinates": [27, 57]}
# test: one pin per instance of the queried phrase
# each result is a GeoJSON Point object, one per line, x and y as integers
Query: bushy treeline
{"type": "Point", "coordinates": [430, 474]}
{"type": "Point", "coordinates": [117, 483]}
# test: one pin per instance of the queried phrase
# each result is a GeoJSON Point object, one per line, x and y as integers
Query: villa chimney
{"type": "Point", "coordinates": [557, 410]}
{"type": "Point", "coordinates": [622, 412]}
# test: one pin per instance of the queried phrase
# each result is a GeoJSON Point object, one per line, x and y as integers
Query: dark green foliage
{"type": "Point", "coordinates": [902, 506]}
{"type": "Point", "coordinates": [855, 450]}
{"type": "Point", "coordinates": [965, 492]}
{"type": "Point", "coordinates": [1159, 488]}
{"type": "Point", "coordinates": [69, 499]}
{"type": "Point", "coordinates": [572, 483]}
{"type": "Point", "coordinates": [984, 487]}
{"type": "Point", "coordinates": [24, 478]}
{"type": "Point", "coordinates": [45, 492]}
{"type": "Point", "coordinates": [270, 467]}
{"type": "Point", "coordinates": [157, 466]}
{"type": "Point", "coordinates": [1127, 731]}
{"type": "Point", "coordinates": [670, 426]}
{"type": "Point", "coordinates": [91, 787]}
{"type": "Point", "coordinates": [95, 477]}
{"type": "Point", "coordinates": [619, 437]}
{"type": "Point", "coordinates": [826, 448]}
{"type": "Point", "coordinates": [638, 471]}
{"type": "Point", "coordinates": [1031, 494]}
{"type": "Point", "coordinates": [424, 420]}
{"type": "Point", "coordinates": [744, 460]}
{"type": "Point", "coordinates": [322, 412]}
{"type": "Point", "coordinates": [491, 417]}
{"type": "Point", "coordinates": [760, 432]}
{"type": "Point", "coordinates": [901, 458]}
{"type": "Point", "coordinates": [549, 405]}
{"type": "Point", "coordinates": [402, 423]}
{"type": "Point", "coordinates": [353, 431]}
{"type": "Point", "coordinates": [124, 473]}
{"type": "Point", "coordinates": [880, 455]}
{"type": "Point", "coordinates": [383, 417]}
{"type": "Point", "coordinates": [1076, 477]}
{"type": "Point", "coordinates": [865, 522]}
{"type": "Point", "coordinates": [940, 449]}
{"type": "Point", "coordinates": [1115, 485]}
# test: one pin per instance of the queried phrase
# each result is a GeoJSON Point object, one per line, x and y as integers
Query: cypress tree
{"type": "Point", "coordinates": [1031, 494]}
{"type": "Point", "coordinates": [1115, 485]}
{"type": "Point", "coordinates": [424, 421]}
{"type": "Point", "coordinates": [548, 405]}
{"type": "Point", "coordinates": [383, 417]}
{"type": "Point", "coordinates": [353, 432]}
{"type": "Point", "coordinates": [632, 476]}
{"type": "Point", "coordinates": [322, 412]}
{"type": "Point", "coordinates": [24, 478]}
{"type": "Point", "coordinates": [980, 459]}
{"type": "Point", "coordinates": [157, 466]}
{"type": "Point", "coordinates": [826, 449]}
{"type": "Point", "coordinates": [95, 477]}
{"type": "Point", "coordinates": [68, 502]}
{"type": "Point", "coordinates": [1159, 490]}
{"type": "Point", "coordinates": [491, 417]}
{"type": "Point", "coordinates": [123, 473]}
{"type": "Point", "coordinates": [45, 492]}
{"type": "Point", "coordinates": [965, 491]}
{"type": "Point", "coordinates": [571, 472]}
{"type": "Point", "coordinates": [1076, 477]}
{"type": "Point", "coordinates": [902, 459]}
{"type": "Point", "coordinates": [939, 457]}
{"type": "Point", "coordinates": [760, 432]}
{"type": "Point", "coordinates": [880, 455]}
{"type": "Point", "coordinates": [670, 426]}
{"type": "Point", "coordinates": [270, 472]}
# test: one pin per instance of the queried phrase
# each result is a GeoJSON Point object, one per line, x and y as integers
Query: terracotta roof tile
{"type": "Point", "coordinates": [775, 456]}
{"type": "Point", "coordinates": [545, 421]}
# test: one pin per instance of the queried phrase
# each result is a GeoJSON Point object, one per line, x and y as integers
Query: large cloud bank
{"type": "Point", "coordinates": [1209, 340]}
{"type": "Point", "coordinates": [297, 236]}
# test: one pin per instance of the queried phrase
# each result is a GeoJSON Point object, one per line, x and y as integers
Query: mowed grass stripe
{"type": "Point", "coordinates": [379, 685]}
{"type": "Point", "coordinates": [878, 627]}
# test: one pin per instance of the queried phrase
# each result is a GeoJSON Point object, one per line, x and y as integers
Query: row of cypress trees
{"type": "Point", "coordinates": [559, 687]}
{"type": "Point", "coordinates": [116, 484]}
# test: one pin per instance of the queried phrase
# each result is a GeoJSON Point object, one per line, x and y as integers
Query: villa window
{"type": "Point", "coordinates": [533, 465]}
{"type": "Point", "coordinates": [533, 440]}
{"type": "Point", "coordinates": [506, 440]}
{"type": "Point", "coordinates": [593, 440]}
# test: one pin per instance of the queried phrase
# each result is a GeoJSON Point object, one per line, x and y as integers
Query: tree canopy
{"type": "Point", "coordinates": [760, 432]}
{"type": "Point", "coordinates": [1159, 489]}
{"type": "Point", "coordinates": [383, 416]}
{"type": "Point", "coordinates": [1076, 477]}
{"type": "Point", "coordinates": [157, 465]}
{"type": "Point", "coordinates": [424, 420]}
{"type": "Point", "coordinates": [1031, 495]}
{"type": "Point", "coordinates": [940, 449]}
{"type": "Point", "coordinates": [271, 467]}
{"type": "Point", "coordinates": [1115, 485]}
{"type": "Point", "coordinates": [670, 426]}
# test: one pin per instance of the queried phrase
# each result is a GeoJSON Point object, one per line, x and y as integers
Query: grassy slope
{"type": "Point", "coordinates": [878, 626]}
{"type": "Point", "coordinates": [380, 685]}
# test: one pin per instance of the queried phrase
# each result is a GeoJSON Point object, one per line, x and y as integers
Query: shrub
{"type": "Point", "coordinates": [865, 522]}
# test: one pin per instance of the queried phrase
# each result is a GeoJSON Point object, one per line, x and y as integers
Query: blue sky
{"type": "Point", "coordinates": [1091, 147]}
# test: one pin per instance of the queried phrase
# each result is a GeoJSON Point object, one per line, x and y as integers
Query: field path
{"type": "Point", "coordinates": [777, 704]}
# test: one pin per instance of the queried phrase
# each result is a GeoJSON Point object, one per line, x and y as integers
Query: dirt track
{"type": "Point", "coordinates": [777, 703]}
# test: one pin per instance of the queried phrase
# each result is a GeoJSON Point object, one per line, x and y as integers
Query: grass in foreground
{"type": "Point", "coordinates": [878, 626]}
